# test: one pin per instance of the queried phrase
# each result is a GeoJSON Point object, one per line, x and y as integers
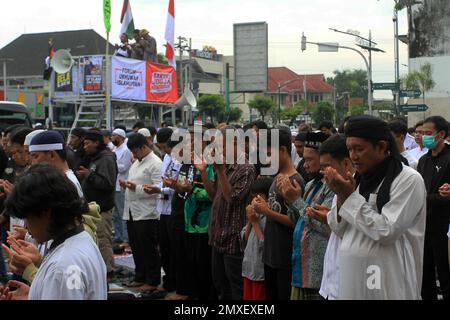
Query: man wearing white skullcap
{"type": "Point", "coordinates": [123, 159]}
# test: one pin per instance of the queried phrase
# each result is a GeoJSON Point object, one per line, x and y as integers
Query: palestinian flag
{"type": "Point", "coordinates": [47, 68]}
{"type": "Point", "coordinates": [126, 19]}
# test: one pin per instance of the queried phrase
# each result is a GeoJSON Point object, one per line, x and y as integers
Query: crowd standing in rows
{"type": "Point", "coordinates": [359, 214]}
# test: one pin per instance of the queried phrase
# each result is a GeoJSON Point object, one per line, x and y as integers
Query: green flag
{"type": "Point", "coordinates": [107, 14]}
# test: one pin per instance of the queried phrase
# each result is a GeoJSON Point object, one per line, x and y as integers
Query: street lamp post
{"type": "Point", "coordinates": [334, 47]}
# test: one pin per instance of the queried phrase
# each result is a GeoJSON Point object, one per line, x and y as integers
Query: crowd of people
{"type": "Point", "coordinates": [143, 48]}
{"type": "Point", "coordinates": [356, 213]}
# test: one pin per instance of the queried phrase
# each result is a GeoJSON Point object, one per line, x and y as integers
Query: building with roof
{"type": "Point", "coordinates": [312, 87]}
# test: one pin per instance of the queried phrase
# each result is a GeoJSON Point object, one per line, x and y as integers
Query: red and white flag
{"type": "Point", "coordinates": [170, 34]}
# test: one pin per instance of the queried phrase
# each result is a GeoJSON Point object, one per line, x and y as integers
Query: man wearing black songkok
{"type": "Point", "coordinates": [380, 217]}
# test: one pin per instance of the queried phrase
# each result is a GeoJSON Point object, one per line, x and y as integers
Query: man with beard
{"type": "Point", "coordinates": [310, 235]}
{"type": "Point", "coordinates": [123, 160]}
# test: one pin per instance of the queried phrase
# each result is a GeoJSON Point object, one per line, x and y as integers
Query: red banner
{"type": "Point", "coordinates": [161, 83]}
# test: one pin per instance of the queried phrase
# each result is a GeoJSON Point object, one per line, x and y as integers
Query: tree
{"type": "Point", "coordinates": [162, 59]}
{"type": "Point", "coordinates": [234, 115]}
{"type": "Point", "coordinates": [357, 110]}
{"type": "Point", "coordinates": [262, 104]}
{"type": "Point", "coordinates": [351, 82]}
{"type": "Point", "coordinates": [292, 113]}
{"type": "Point", "coordinates": [323, 112]}
{"type": "Point", "coordinates": [212, 105]}
{"type": "Point", "coordinates": [422, 80]}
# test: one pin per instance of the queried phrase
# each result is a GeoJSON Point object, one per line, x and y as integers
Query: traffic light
{"type": "Point", "coordinates": [303, 42]}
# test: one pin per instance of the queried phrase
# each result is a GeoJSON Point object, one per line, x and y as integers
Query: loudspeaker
{"type": "Point", "coordinates": [62, 61]}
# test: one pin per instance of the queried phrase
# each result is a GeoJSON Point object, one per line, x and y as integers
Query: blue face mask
{"type": "Point", "coordinates": [429, 142]}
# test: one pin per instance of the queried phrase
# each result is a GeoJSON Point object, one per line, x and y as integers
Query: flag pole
{"type": "Point", "coordinates": [108, 86]}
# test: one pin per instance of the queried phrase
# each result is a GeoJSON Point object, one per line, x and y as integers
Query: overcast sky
{"type": "Point", "coordinates": [210, 22]}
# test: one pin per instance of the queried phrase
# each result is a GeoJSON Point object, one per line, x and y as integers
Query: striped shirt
{"type": "Point", "coordinates": [228, 218]}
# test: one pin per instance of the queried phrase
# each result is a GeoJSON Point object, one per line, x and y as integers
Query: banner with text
{"type": "Point", "coordinates": [92, 74]}
{"type": "Point", "coordinates": [140, 80]}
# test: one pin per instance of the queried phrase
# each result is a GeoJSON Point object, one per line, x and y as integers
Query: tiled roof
{"type": "Point", "coordinates": [280, 75]}
{"type": "Point", "coordinates": [30, 50]}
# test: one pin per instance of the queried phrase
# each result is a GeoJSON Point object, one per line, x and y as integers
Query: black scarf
{"type": "Point", "coordinates": [388, 170]}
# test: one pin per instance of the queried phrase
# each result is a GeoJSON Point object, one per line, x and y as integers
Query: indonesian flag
{"type": "Point", "coordinates": [126, 19]}
{"type": "Point", "coordinates": [170, 35]}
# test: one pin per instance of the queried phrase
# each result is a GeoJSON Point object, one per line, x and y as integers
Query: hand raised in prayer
{"type": "Point", "coordinates": [82, 172]}
{"type": "Point", "coordinates": [151, 189]}
{"type": "Point", "coordinates": [318, 212]}
{"type": "Point", "coordinates": [17, 263]}
{"type": "Point", "coordinates": [26, 249]}
{"type": "Point", "coordinates": [19, 232]}
{"type": "Point", "coordinates": [444, 191]}
{"type": "Point", "coordinates": [131, 185]}
{"type": "Point", "coordinates": [260, 205]}
{"type": "Point", "coordinates": [7, 186]}
{"type": "Point", "coordinates": [290, 191]}
{"type": "Point", "coordinates": [20, 291]}
{"type": "Point", "coordinates": [251, 214]}
{"type": "Point", "coordinates": [169, 182]}
{"type": "Point", "coordinates": [199, 162]}
{"type": "Point", "coordinates": [185, 186]}
{"type": "Point", "coordinates": [343, 187]}
{"type": "Point", "coordinates": [123, 184]}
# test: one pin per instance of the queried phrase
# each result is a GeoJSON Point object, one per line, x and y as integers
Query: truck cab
{"type": "Point", "coordinates": [12, 113]}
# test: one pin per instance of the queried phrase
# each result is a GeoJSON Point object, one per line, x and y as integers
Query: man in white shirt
{"type": "Point", "coordinates": [410, 142]}
{"type": "Point", "coordinates": [399, 130]}
{"type": "Point", "coordinates": [334, 154]}
{"type": "Point", "coordinates": [123, 159]}
{"type": "Point", "coordinates": [170, 168]}
{"type": "Point", "coordinates": [420, 151]}
{"type": "Point", "coordinates": [141, 215]}
{"type": "Point", "coordinates": [380, 217]}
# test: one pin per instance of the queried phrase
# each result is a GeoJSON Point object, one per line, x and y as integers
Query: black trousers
{"type": "Point", "coordinates": [278, 283]}
{"type": "Point", "coordinates": [435, 258]}
{"type": "Point", "coordinates": [183, 280]}
{"type": "Point", "coordinates": [143, 237]}
{"type": "Point", "coordinates": [199, 266]}
{"type": "Point", "coordinates": [227, 275]}
{"type": "Point", "coordinates": [165, 248]}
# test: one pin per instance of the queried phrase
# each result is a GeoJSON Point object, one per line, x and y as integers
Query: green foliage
{"type": "Point", "coordinates": [262, 104]}
{"type": "Point", "coordinates": [212, 105]}
{"type": "Point", "coordinates": [234, 115]}
{"type": "Point", "coordinates": [162, 59]}
{"type": "Point", "coordinates": [421, 80]}
{"type": "Point", "coordinates": [358, 110]}
{"type": "Point", "coordinates": [323, 111]}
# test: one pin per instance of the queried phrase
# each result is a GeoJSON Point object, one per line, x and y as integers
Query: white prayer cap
{"type": "Point", "coordinates": [120, 132]}
{"type": "Point", "coordinates": [145, 132]}
{"type": "Point", "coordinates": [30, 136]}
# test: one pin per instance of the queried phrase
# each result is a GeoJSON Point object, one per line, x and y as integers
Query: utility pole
{"type": "Point", "coordinates": [181, 76]}
{"type": "Point", "coordinates": [369, 88]}
{"type": "Point", "coordinates": [397, 59]}
{"type": "Point", "coordinates": [5, 85]}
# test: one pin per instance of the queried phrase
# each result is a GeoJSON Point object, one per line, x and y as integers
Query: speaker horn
{"type": "Point", "coordinates": [187, 99]}
{"type": "Point", "coordinates": [62, 61]}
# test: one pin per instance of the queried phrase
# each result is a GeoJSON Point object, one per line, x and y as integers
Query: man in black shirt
{"type": "Point", "coordinates": [435, 170]}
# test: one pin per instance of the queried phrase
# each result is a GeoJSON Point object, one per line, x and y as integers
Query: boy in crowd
{"type": "Point", "coordinates": [253, 243]}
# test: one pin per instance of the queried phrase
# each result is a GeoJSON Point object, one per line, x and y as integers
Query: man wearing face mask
{"type": "Point", "coordinates": [435, 170]}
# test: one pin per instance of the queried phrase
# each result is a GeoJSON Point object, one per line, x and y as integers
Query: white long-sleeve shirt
{"type": "Point", "coordinates": [381, 254]}
{"type": "Point", "coordinates": [74, 270]}
{"type": "Point", "coordinates": [170, 167]}
{"type": "Point", "coordinates": [123, 159]}
{"type": "Point", "coordinates": [138, 203]}
{"type": "Point", "coordinates": [329, 288]}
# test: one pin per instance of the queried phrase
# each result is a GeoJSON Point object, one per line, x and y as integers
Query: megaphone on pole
{"type": "Point", "coordinates": [62, 61]}
{"type": "Point", "coordinates": [187, 99]}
